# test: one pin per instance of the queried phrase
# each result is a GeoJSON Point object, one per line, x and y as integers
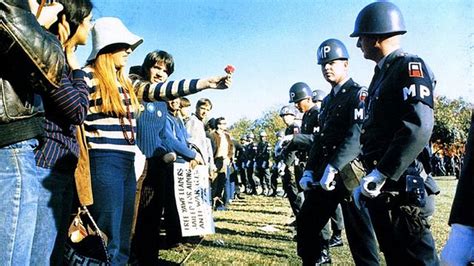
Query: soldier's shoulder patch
{"type": "Point", "coordinates": [415, 69]}
{"type": "Point", "coordinates": [362, 94]}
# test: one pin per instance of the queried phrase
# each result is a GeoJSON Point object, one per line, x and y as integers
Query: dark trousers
{"type": "Point", "coordinates": [263, 175]}
{"type": "Point", "coordinates": [291, 189]}
{"type": "Point", "coordinates": [399, 246]}
{"type": "Point", "coordinates": [157, 198]}
{"type": "Point", "coordinates": [250, 179]}
{"type": "Point", "coordinates": [337, 221]}
{"type": "Point", "coordinates": [218, 185]}
{"type": "Point", "coordinates": [318, 207]}
{"type": "Point", "coordinates": [274, 180]}
{"type": "Point", "coordinates": [243, 177]}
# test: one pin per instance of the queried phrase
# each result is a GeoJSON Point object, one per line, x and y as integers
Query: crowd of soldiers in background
{"type": "Point", "coordinates": [447, 161]}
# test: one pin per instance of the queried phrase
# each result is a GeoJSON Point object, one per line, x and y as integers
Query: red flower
{"type": "Point", "coordinates": [229, 69]}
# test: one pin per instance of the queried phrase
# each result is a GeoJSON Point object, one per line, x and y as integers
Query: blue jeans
{"type": "Point", "coordinates": [55, 190]}
{"type": "Point", "coordinates": [113, 188]}
{"type": "Point", "coordinates": [18, 202]}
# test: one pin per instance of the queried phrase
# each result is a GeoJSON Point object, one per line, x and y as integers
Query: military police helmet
{"type": "Point", "coordinates": [250, 136]}
{"type": "Point", "coordinates": [379, 18]}
{"type": "Point", "coordinates": [300, 91]}
{"type": "Point", "coordinates": [318, 95]}
{"type": "Point", "coordinates": [263, 133]}
{"type": "Point", "coordinates": [287, 110]}
{"type": "Point", "coordinates": [330, 50]}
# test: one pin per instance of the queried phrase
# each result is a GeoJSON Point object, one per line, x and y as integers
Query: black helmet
{"type": "Point", "coordinates": [287, 110]}
{"type": "Point", "coordinates": [300, 91]}
{"type": "Point", "coordinates": [379, 18]}
{"type": "Point", "coordinates": [330, 50]}
{"type": "Point", "coordinates": [318, 95]}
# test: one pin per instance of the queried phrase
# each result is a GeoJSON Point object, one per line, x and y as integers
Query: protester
{"type": "Point", "coordinates": [223, 153]}
{"type": "Point", "coordinates": [197, 134]}
{"type": "Point", "coordinates": [57, 154]}
{"type": "Point", "coordinates": [36, 199]}
{"type": "Point", "coordinates": [111, 127]}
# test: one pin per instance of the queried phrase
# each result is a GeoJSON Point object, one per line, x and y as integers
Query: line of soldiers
{"type": "Point", "coordinates": [362, 148]}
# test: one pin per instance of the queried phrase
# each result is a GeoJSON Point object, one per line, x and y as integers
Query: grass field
{"type": "Point", "coordinates": [254, 231]}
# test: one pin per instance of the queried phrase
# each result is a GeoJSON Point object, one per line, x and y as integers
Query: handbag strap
{"type": "Point", "coordinates": [83, 209]}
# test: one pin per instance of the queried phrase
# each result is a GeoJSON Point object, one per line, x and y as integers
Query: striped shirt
{"type": "Point", "coordinates": [65, 108]}
{"type": "Point", "coordinates": [104, 131]}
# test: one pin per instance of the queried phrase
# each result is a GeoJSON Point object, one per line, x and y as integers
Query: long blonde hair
{"type": "Point", "coordinates": [107, 77]}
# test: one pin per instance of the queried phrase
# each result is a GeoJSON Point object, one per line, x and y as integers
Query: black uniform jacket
{"type": "Point", "coordinates": [309, 127]}
{"type": "Point", "coordinates": [399, 117]}
{"type": "Point", "coordinates": [462, 211]}
{"type": "Point", "coordinates": [263, 154]}
{"type": "Point", "coordinates": [337, 142]}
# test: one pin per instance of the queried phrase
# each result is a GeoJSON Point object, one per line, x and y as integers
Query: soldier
{"type": "Point", "coordinates": [240, 160]}
{"type": "Point", "coordinates": [398, 126]}
{"type": "Point", "coordinates": [262, 163]}
{"type": "Point", "coordinates": [302, 96]}
{"type": "Point", "coordinates": [251, 152]}
{"type": "Point", "coordinates": [289, 165]}
{"type": "Point", "coordinates": [335, 146]}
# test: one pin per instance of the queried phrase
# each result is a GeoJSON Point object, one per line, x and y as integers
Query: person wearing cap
{"type": "Point", "coordinates": [262, 163]}
{"type": "Point", "coordinates": [399, 121]}
{"type": "Point", "coordinates": [334, 147]}
{"type": "Point", "coordinates": [111, 125]}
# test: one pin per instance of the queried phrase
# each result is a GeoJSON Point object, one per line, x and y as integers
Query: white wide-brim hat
{"type": "Point", "coordinates": [108, 31]}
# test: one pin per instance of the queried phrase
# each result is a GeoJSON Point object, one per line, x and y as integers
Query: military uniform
{"type": "Point", "coordinates": [240, 159]}
{"type": "Point", "coordinates": [292, 174]}
{"type": "Point", "coordinates": [251, 152]}
{"type": "Point", "coordinates": [337, 144]}
{"type": "Point", "coordinates": [398, 126]}
{"type": "Point", "coordinates": [262, 165]}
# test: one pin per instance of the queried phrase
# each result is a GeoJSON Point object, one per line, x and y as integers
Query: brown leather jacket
{"type": "Point", "coordinates": [32, 61]}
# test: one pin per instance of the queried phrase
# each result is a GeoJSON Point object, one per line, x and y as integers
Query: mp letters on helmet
{"type": "Point", "coordinates": [292, 96]}
{"type": "Point", "coordinates": [323, 51]}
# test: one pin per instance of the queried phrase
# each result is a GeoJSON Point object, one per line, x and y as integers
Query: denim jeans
{"type": "Point", "coordinates": [56, 188]}
{"type": "Point", "coordinates": [113, 188]}
{"type": "Point", "coordinates": [18, 202]}
{"type": "Point", "coordinates": [459, 249]}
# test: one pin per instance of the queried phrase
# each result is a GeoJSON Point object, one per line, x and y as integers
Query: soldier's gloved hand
{"type": "Point", "coordinates": [327, 181]}
{"type": "Point", "coordinates": [371, 184]}
{"type": "Point", "coordinates": [247, 164]}
{"type": "Point", "coordinates": [281, 168]}
{"type": "Point", "coordinates": [307, 181]}
{"type": "Point", "coordinates": [264, 165]}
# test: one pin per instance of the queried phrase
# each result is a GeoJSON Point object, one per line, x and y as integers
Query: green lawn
{"type": "Point", "coordinates": [241, 237]}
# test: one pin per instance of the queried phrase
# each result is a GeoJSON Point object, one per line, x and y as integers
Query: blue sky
{"type": "Point", "coordinates": [273, 43]}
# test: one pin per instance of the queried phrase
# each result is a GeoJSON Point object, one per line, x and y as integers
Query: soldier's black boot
{"type": "Point", "coordinates": [325, 255]}
{"type": "Point", "coordinates": [335, 241]}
